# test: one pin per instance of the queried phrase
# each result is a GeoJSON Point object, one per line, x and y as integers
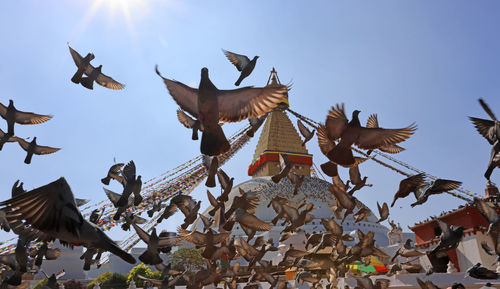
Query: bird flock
{"type": "Point", "coordinates": [51, 212]}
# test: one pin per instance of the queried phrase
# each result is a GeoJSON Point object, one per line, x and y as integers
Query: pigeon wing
{"type": "Point", "coordinates": [23, 144]}
{"type": "Point", "coordinates": [488, 212]}
{"type": "Point", "coordinates": [238, 60]}
{"type": "Point", "coordinates": [355, 175]}
{"type": "Point", "coordinates": [77, 58]}
{"type": "Point", "coordinates": [237, 104]}
{"type": "Point", "coordinates": [336, 122]}
{"type": "Point", "coordinates": [129, 172]}
{"type": "Point", "coordinates": [372, 121]}
{"type": "Point", "coordinates": [186, 97]}
{"type": "Point", "coordinates": [484, 127]}
{"type": "Point", "coordinates": [112, 196]}
{"type": "Point", "coordinates": [441, 185]}
{"type": "Point", "coordinates": [183, 118]}
{"type": "Point", "coordinates": [325, 144]}
{"type": "Point", "coordinates": [108, 82]}
{"type": "Point", "coordinates": [47, 208]}
{"type": "Point", "coordinates": [152, 281]}
{"type": "Point", "coordinates": [252, 222]}
{"type": "Point", "coordinates": [31, 118]}
{"type": "Point", "coordinates": [45, 150]}
{"type": "Point", "coordinates": [304, 131]}
{"type": "Point", "coordinates": [373, 138]}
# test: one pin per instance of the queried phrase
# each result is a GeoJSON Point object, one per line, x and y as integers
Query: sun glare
{"type": "Point", "coordinates": [129, 10]}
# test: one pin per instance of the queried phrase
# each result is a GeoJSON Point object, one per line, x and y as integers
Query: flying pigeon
{"type": "Point", "coordinates": [242, 63]}
{"type": "Point", "coordinates": [305, 132]}
{"type": "Point", "coordinates": [409, 185]}
{"type": "Point", "coordinates": [351, 132]}
{"type": "Point", "coordinates": [52, 210]}
{"type": "Point", "coordinates": [490, 130]}
{"type": "Point", "coordinates": [450, 236]}
{"type": "Point", "coordinates": [437, 186]}
{"type": "Point", "coordinates": [285, 167]}
{"type": "Point", "coordinates": [33, 148]}
{"type": "Point", "coordinates": [12, 116]}
{"type": "Point", "coordinates": [114, 198]}
{"type": "Point", "coordinates": [114, 173]}
{"type": "Point", "coordinates": [93, 74]}
{"type": "Point", "coordinates": [133, 184]}
{"type": "Point", "coordinates": [211, 105]}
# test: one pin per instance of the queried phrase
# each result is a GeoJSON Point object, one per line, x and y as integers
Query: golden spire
{"type": "Point", "coordinates": [279, 136]}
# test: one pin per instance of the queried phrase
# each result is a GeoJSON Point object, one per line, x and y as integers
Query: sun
{"type": "Point", "coordinates": [129, 10]}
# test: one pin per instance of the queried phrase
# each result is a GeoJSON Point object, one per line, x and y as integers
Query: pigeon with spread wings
{"type": "Point", "coordinates": [12, 116]}
{"type": "Point", "coordinates": [51, 209]}
{"type": "Point", "coordinates": [437, 186]}
{"type": "Point", "coordinates": [114, 172]}
{"type": "Point", "coordinates": [351, 132]}
{"type": "Point", "coordinates": [372, 122]}
{"type": "Point", "coordinates": [93, 74]}
{"type": "Point", "coordinates": [210, 105]}
{"type": "Point", "coordinates": [490, 130]}
{"type": "Point", "coordinates": [326, 144]}
{"type": "Point", "coordinates": [242, 63]}
{"type": "Point", "coordinates": [409, 185]}
{"type": "Point", "coordinates": [32, 148]}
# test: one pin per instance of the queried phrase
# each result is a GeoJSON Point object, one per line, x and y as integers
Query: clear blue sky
{"type": "Point", "coordinates": [409, 61]}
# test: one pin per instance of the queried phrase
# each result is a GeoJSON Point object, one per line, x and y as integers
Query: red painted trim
{"type": "Point", "coordinates": [274, 156]}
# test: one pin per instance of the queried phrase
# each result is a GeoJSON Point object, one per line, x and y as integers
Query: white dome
{"type": "Point", "coordinates": [313, 190]}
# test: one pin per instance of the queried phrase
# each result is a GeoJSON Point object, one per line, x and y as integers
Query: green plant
{"type": "Point", "coordinates": [189, 259]}
{"type": "Point", "coordinates": [99, 279]}
{"type": "Point", "coordinates": [140, 269]}
{"type": "Point", "coordinates": [115, 281]}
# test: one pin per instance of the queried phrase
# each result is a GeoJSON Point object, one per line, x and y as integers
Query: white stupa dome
{"type": "Point", "coordinates": [314, 191]}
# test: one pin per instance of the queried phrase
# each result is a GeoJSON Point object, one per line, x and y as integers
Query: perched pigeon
{"type": "Point", "coordinates": [33, 148]}
{"type": "Point", "coordinates": [93, 74]}
{"type": "Point", "coordinates": [352, 132]}
{"type": "Point", "coordinates": [242, 63]}
{"type": "Point", "coordinates": [52, 210]}
{"type": "Point", "coordinates": [211, 105]}
{"type": "Point", "coordinates": [12, 116]}
{"type": "Point", "coordinates": [479, 272]}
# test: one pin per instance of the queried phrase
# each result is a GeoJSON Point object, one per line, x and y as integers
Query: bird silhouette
{"type": "Point", "coordinates": [33, 148]}
{"type": "Point", "coordinates": [242, 63]}
{"type": "Point", "coordinates": [93, 74]}
{"type": "Point", "coordinates": [210, 105]}
{"type": "Point", "coordinates": [51, 209]}
{"type": "Point", "coordinates": [351, 132]}
{"type": "Point", "coordinates": [13, 116]}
